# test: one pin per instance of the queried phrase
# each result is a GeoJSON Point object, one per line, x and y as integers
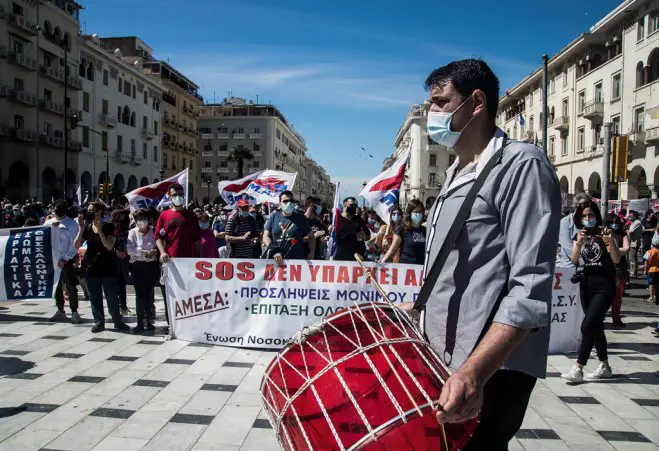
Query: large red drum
{"type": "Point", "coordinates": [361, 379]}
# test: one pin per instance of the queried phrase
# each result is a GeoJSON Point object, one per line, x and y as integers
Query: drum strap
{"type": "Point", "coordinates": [456, 228]}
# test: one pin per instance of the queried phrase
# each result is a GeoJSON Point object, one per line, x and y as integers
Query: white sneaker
{"type": "Point", "coordinates": [601, 372]}
{"type": "Point", "coordinates": [575, 375]}
{"type": "Point", "coordinates": [75, 318]}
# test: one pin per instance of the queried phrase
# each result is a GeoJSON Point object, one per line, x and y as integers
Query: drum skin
{"type": "Point", "coordinates": [359, 380]}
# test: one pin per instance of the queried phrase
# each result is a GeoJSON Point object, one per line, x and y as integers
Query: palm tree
{"type": "Point", "coordinates": [240, 154]}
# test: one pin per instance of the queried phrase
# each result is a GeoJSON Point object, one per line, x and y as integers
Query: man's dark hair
{"type": "Point", "coordinates": [175, 186]}
{"type": "Point", "coordinates": [349, 198]}
{"type": "Point", "coordinates": [61, 206]}
{"type": "Point", "coordinates": [468, 76]}
{"type": "Point", "coordinates": [286, 193]}
{"type": "Point", "coordinates": [142, 214]}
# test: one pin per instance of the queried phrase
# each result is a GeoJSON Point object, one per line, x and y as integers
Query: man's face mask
{"type": "Point", "coordinates": [439, 127]}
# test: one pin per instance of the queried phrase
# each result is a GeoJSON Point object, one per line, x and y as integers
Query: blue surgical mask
{"type": "Point", "coordinates": [588, 223]}
{"type": "Point", "coordinates": [319, 209]}
{"type": "Point", "coordinates": [395, 217]}
{"type": "Point", "coordinates": [288, 208]}
{"type": "Point", "coordinates": [252, 214]}
{"type": "Point", "coordinates": [615, 226]}
{"type": "Point", "coordinates": [203, 225]}
{"type": "Point", "coordinates": [244, 214]}
{"type": "Point", "coordinates": [416, 218]}
{"type": "Point", "coordinates": [439, 127]}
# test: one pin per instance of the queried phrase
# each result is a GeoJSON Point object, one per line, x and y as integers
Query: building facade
{"type": "Point", "coordinates": [273, 141]}
{"type": "Point", "coordinates": [426, 170]}
{"type": "Point", "coordinates": [121, 125]}
{"type": "Point", "coordinates": [179, 107]}
{"type": "Point", "coordinates": [39, 85]}
{"type": "Point", "coordinates": [608, 74]}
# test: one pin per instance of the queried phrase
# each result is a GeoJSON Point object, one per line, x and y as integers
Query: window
{"type": "Point", "coordinates": [191, 166]}
{"type": "Point", "coordinates": [432, 179]}
{"type": "Point", "coordinates": [134, 92]}
{"type": "Point", "coordinates": [639, 119]}
{"type": "Point", "coordinates": [164, 160]}
{"type": "Point", "coordinates": [552, 145]}
{"type": "Point", "coordinates": [531, 99]}
{"type": "Point", "coordinates": [615, 89]}
{"type": "Point", "coordinates": [433, 159]}
{"type": "Point", "coordinates": [85, 136]}
{"type": "Point", "coordinates": [256, 164]}
{"type": "Point", "coordinates": [565, 107]}
{"type": "Point", "coordinates": [19, 84]}
{"type": "Point", "coordinates": [144, 122]}
{"type": "Point", "coordinates": [278, 134]}
{"type": "Point", "coordinates": [144, 150]}
{"type": "Point", "coordinates": [120, 143]}
{"type": "Point", "coordinates": [599, 95]}
{"type": "Point", "coordinates": [133, 148]}
{"type": "Point", "coordinates": [581, 133]}
{"type": "Point", "coordinates": [565, 77]}
{"type": "Point", "coordinates": [207, 164]}
{"type": "Point", "coordinates": [126, 88]}
{"type": "Point", "coordinates": [597, 134]}
{"type": "Point", "coordinates": [640, 74]}
{"type": "Point", "coordinates": [155, 154]}
{"type": "Point", "coordinates": [240, 130]}
{"type": "Point", "coordinates": [81, 68]}
{"type": "Point", "coordinates": [223, 147]}
{"type": "Point", "coordinates": [18, 47]}
{"type": "Point", "coordinates": [121, 83]}
{"type": "Point", "coordinates": [106, 107]}
{"type": "Point", "coordinates": [17, 9]}
{"type": "Point", "coordinates": [531, 124]}
{"type": "Point", "coordinates": [653, 24]}
{"type": "Point", "coordinates": [183, 163]}
{"type": "Point", "coordinates": [582, 101]}
{"type": "Point", "coordinates": [564, 145]}
{"type": "Point", "coordinates": [224, 164]}
{"type": "Point", "coordinates": [640, 29]}
{"type": "Point", "coordinates": [90, 72]}
{"type": "Point", "coordinates": [105, 77]}
{"type": "Point", "coordinates": [85, 102]}
{"type": "Point", "coordinates": [104, 141]}
{"type": "Point", "coordinates": [256, 147]}
{"type": "Point", "coordinates": [552, 86]}
{"type": "Point", "coordinates": [47, 95]}
{"type": "Point", "coordinates": [615, 126]}
{"type": "Point", "coordinates": [19, 121]}
{"type": "Point", "coordinates": [257, 130]}
{"type": "Point", "coordinates": [48, 129]}
{"type": "Point", "coordinates": [155, 127]}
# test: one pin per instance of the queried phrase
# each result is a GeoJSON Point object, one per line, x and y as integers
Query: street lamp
{"type": "Point", "coordinates": [208, 185]}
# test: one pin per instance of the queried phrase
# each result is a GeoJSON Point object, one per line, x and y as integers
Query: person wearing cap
{"type": "Point", "coordinates": [241, 232]}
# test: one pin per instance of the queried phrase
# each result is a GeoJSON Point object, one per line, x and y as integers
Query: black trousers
{"type": "Point", "coordinates": [68, 279]}
{"type": "Point", "coordinates": [506, 396]}
{"type": "Point", "coordinates": [145, 277]}
{"type": "Point", "coordinates": [597, 295]}
{"type": "Point", "coordinates": [123, 279]}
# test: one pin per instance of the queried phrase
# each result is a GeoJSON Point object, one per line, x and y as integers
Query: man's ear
{"type": "Point", "coordinates": [480, 102]}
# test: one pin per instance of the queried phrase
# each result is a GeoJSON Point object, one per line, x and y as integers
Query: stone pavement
{"type": "Point", "coordinates": [63, 388]}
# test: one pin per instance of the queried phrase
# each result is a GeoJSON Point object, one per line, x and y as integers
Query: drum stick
{"type": "Point", "coordinates": [375, 282]}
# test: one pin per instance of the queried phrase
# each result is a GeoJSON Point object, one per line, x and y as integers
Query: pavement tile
{"type": "Point", "coordinates": [105, 412]}
{"type": "Point", "coordinates": [86, 434]}
{"type": "Point", "coordinates": [114, 443]}
{"type": "Point", "coordinates": [230, 427]}
{"type": "Point", "coordinates": [175, 436]}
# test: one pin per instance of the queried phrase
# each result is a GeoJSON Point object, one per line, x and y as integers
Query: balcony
{"type": "Point", "coordinates": [561, 123]}
{"type": "Point", "coordinates": [22, 97]}
{"type": "Point", "coordinates": [206, 136]}
{"type": "Point", "coordinates": [23, 24]}
{"type": "Point", "coordinates": [51, 141]}
{"type": "Point", "coordinates": [22, 134]}
{"type": "Point", "coordinates": [208, 153]}
{"type": "Point", "coordinates": [180, 126]}
{"type": "Point", "coordinates": [593, 110]}
{"type": "Point", "coordinates": [108, 120]}
{"type": "Point", "coordinates": [207, 170]}
{"type": "Point", "coordinates": [26, 62]}
{"type": "Point", "coordinates": [597, 149]}
{"type": "Point", "coordinates": [238, 136]}
{"type": "Point", "coordinates": [637, 136]}
{"type": "Point", "coordinates": [147, 133]}
{"type": "Point", "coordinates": [223, 170]}
{"type": "Point", "coordinates": [552, 158]}
{"type": "Point", "coordinates": [179, 147]}
{"type": "Point", "coordinates": [652, 135]}
{"type": "Point", "coordinates": [52, 107]}
{"type": "Point", "coordinates": [257, 153]}
{"type": "Point", "coordinates": [171, 123]}
{"type": "Point", "coordinates": [136, 160]}
{"type": "Point", "coordinates": [54, 73]}
{"type": "Point", "coordinates": [74, 82]}
{"type": "Point", "coordinates": [255, 136]}
{"type": "Point", "coordinates": [222, 136]}
{"type": "Point", "coordinates": [121, 157]}
{"type": "Point", "coordinates": [74, 145]}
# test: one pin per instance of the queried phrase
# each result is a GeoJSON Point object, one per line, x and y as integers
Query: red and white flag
{"type": "Point", "coordinates": [260, 187]}
{"type": "Point", "coordinates": [155, 195]}
{"type": "Point", "coordinates": [383, 192]}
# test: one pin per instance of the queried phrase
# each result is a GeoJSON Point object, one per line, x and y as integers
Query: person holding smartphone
{"type": "Point", "coordinates": [598, 249]}
{"type": "Point", "coordinates": [241, 232]}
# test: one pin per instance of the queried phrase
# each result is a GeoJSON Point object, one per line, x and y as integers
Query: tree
{"type": "Point", "coordinates": [239, 155]}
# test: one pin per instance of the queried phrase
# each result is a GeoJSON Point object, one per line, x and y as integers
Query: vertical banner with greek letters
{"type": "Point", "coordinates": [566, 313]}
{"type": "Point", "coordinates": [28, 259]}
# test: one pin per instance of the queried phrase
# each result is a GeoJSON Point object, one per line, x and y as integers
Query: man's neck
{"type": "Point", "coordinates": [181, 208]}
{"type": "Point", "coordinates": [471, 145]}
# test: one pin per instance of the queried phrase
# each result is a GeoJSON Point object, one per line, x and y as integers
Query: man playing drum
{"type": "Point", "coordinates": [487, 312]}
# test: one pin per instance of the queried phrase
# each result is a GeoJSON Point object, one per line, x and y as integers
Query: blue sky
{"type": "Point", "coordinates": [343, 72]}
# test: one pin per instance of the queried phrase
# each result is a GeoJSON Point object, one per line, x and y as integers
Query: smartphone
{"type": "Point", "coordinates": [89, 216]}
{"type": "Point", "coordinates": [593, 231]}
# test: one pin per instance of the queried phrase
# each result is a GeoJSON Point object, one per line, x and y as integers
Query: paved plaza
{"type": "Point", "coordinates": [64, 388]}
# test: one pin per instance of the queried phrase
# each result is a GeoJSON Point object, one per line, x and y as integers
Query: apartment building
{"type": "Point", "coordinates": [426, 170]}
{"type": "Point", "coordinates": [317, 182]}
{"type": "Point", "coordinates": [120, 124]}
{"type": "Point", "coordinates": [263, 129]}
{"type": "Point", "coordinates": [38, 78]}
{"type": "Point", "coordinates": [179, 108]}
{"type": "Point", "coordinates": [608, 74]}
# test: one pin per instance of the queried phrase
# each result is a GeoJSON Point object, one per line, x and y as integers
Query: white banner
{"type": "Point", "coordinates": [260, 187]}
{"type": "Point", "coordinates": [252, 303]}
{"type": "Point", "coordinates": [28, 263]}
{"type": "Point", "coordinates": [566, 314]}
{"type": "Point", "coordinates": [156, 194]}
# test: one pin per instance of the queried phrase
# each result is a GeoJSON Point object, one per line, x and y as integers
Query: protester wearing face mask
{"type": "Point", "coordinates": [18, 218]}
{"type": "Point", "coordinates": [567, 231]}
{"type": "Point", "coordinates": [288, 230]}
{"type": "Point", "coordinates": [621, 238]}
{"type": "Point", "coordinates": [242, 232]}
{"type": "Point", "coordinates": [143, 253]}
{"type": "Point", "coordinates": [68, 230]}
{"type": "Point", "coordinates": [410, 238]}
{"type": "Point", "coordinates": [635, 242]}
{"type": "Point", "coordinates": [352, 233]}
{"type": "Point", "coordinates": [208, 243]}
{"type": "Point", "coordinates": [599, 251]}
{"type": "Point", "coordinates": [99, 266]}
{"type": "Point", "coordinates": [177, 229]}
{"type": "Point", "coordinates": [650, 224]}
{"type": "Point", "coordinates": [386, 234]}
{"type": "Point", "coordinates": [313, 212]}
{"type": "Point", "coordinates": [219, 229]}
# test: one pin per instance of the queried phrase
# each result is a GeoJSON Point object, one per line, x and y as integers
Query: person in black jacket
{"type": "Point", "coordinates": [352, 232]}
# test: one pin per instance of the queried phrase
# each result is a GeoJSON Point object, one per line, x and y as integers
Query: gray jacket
{"type": "Point", "coordinates": [506, 252]}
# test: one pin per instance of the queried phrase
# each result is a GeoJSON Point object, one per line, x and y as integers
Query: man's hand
{"type": "Point", "coordinates": [164, 258]}
{"type": "Point", "coordinates": [246, 236]}
{"type": "Point", "coordinates": [319, 233]}
{"type": "Point", "coordinates": [279, 260]}
{"type": "Point", "coordinates": [121, 255]}
{"type": "Point", "coordinates": [581, 237]}
{"type": "Point", "coordinates": [61, 263]}
{"type": "Point", "coordinates": [460, 400]}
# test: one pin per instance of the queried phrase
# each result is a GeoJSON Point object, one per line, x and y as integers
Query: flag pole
{"type": "Point", "coordinates": [545, 109]}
